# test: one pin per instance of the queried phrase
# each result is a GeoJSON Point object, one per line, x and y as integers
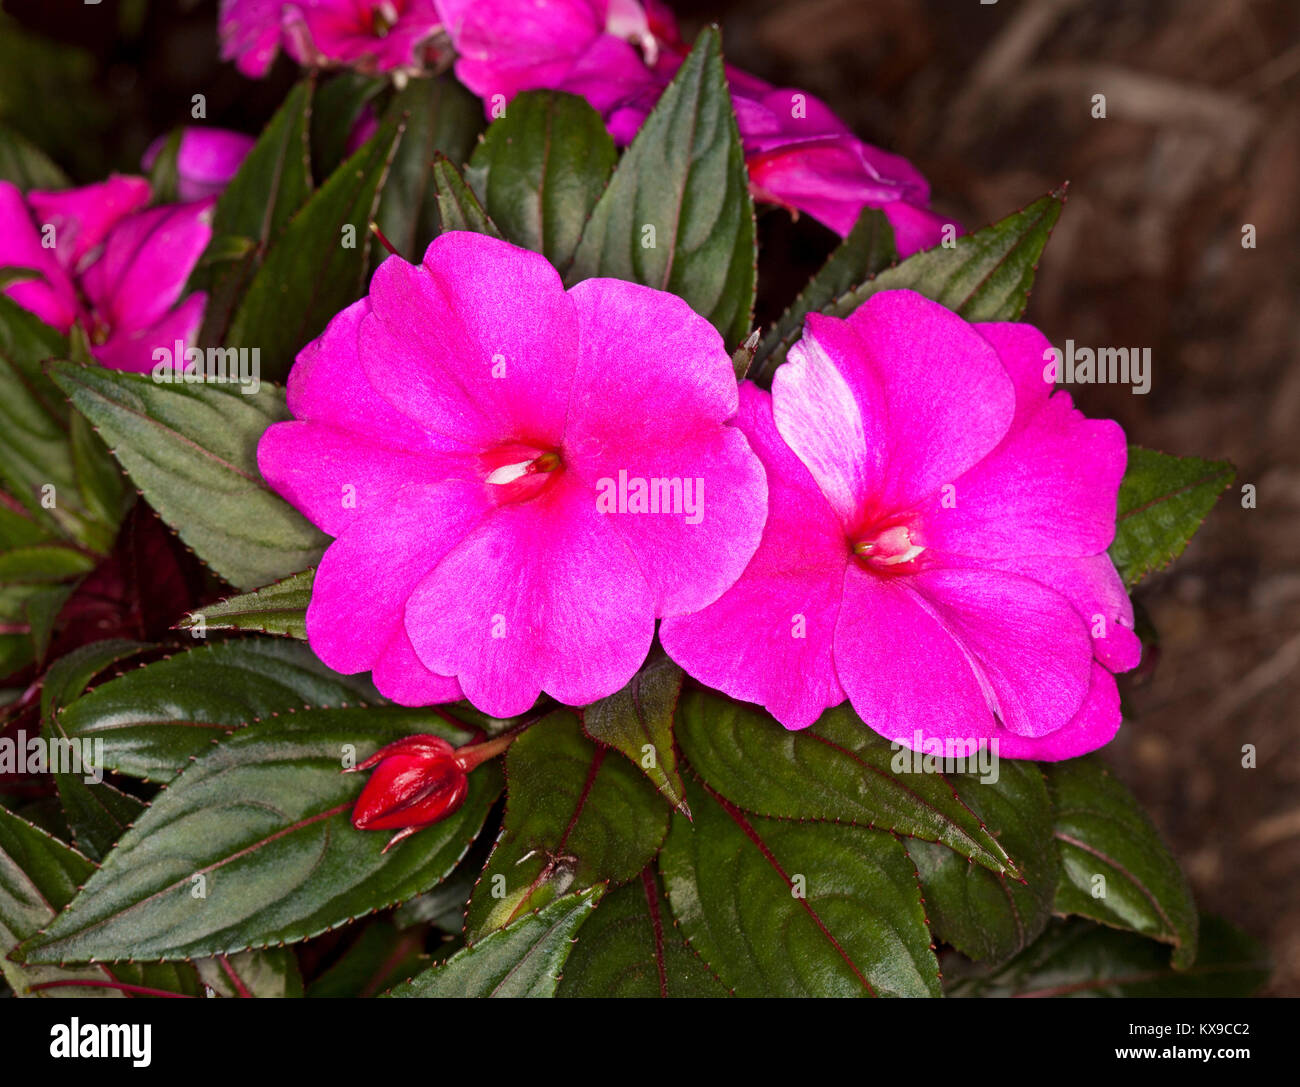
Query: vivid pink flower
{"type": "Point", "coordinates": [114, 267]}
{"type": "Point", "coordinates": [935, 549]}
{"type": "Point", "coordinates": [476, 438]}
{"type": "Point", "coordinates": [602, 49]}
{"type": "Point", "coordinates": [620, 55]}
{"type": "Point", "coordinates": [803, 157]}
{"type": "Point", "coordinates": [369, 35]}
{"type": "Point", "coordinates": [206, 159]}
{"type": "Point", "coordinates": [250, 34]}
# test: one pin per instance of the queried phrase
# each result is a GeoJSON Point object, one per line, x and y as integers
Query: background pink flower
{"type": "Point", "coordinates": [116, 268]}
{"type": "Point", "coordinates": [621, 55]}
{"type": "Point", "coordinates": [250, 34]}
{"type": "Point", "coordinates": [935, 548]}
{"type": "Point", "coordinates": [369, 35]}
{"type": "Point", "coordinates": [206, 159]}
{"type": "Point", "coordinates": [474, 408]}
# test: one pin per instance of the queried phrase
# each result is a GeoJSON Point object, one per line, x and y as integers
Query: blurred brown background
{"type": "Point", "coordinates": [993, 103]}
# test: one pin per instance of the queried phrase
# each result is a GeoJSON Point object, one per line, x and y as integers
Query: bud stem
{"type": "Point", "coordinates": [476, 754]}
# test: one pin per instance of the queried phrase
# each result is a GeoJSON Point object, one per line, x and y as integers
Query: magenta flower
{"type": "Point", "coordinates": [620, 55]}
{"type": "Point", "coordinates": [206, 159]}
{"type": "Point", "coordinates": [803, 157]}
{"type": "Point", "coordinates": [935, 549]}
{"type": "Point", "coordinates": [369, 35]}
{"type": "Point", "coordinates": [107, 265]}
{"type": "Point", "coordinates": [602, 49]}
{"type": "Point", "coordinates": [520, 478]}
{"type": "Point", "coordinates": [250, 34]}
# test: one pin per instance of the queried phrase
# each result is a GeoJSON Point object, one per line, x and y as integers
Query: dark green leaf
{"type": "Point", "coordinates": [575, 817]}
{"type": "Point", "coordinates": [336, 108]}
{"type": "Point", "coordinates": [380, 958]}
{"type": "Point", "coordinates": [280, 608]}
{"type": "Point", "coordinates": [677, 214]}
{"type": "Point", "coordinates": [458, 207]}
{"type": "Point", "coordinates": [273, 182]}
{"type": "Point", "coordinates": [47, 562]}
{"type": "Point", "coordinates": [985, 276]}
{"type": "Point", "coordinates": [1162, 502]}
{"type": "Point", "coordinates": [269, 974]}
{"type": "Point", "coordinates": [524, 959]}
{"type": "Point", "coordinates": [836, 770]}
{"type": "Point", "coordinates": [253, 845]}
{"type": "Point", "coordinates": [441, 117]}
{"type": "Point", "coordinates": [1115, 867]}
{"type": "Point", "coordinates": [26, 165]}
{"type": "Point", "coordinates": [867, 251]}
{"type": "Point", "coordinates": [319, 264]}
{"type": "Point", "coordinates": [99, 480]}
{"type": "Point", "coordinates": [38, 877]}
{"type": "Point", "coordinates": [540, 170]}
{"type": "Point", "coordinates": [155, 719]}
{"type": "Point", "coordinates": [97, 813]}
{"type": "Point", "coordinates": [638, 721]}
{"type": "Point", "coordinates": [191, 448]}
{"type": "Point", "coordinates": [982, 914]}
{"type": "Point", "coordinates": [630, 948]}
{"type": "Point", "coordinates": [164, 175]}
{"type": "Point", "coordinates": [779, 908]}
{"type": "Point", "coordinates": [444, 906]}
{"type": "Point", "coordinates": [36, 464]}
{"type": "Point", "coordinates": [1075, 958]}
{"type": "Point", "coordinates": [42, 609]}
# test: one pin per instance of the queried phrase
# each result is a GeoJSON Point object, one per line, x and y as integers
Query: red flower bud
{"type": "Point", "coordinates": [417, 781]}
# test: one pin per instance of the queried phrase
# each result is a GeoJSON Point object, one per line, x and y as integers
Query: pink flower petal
{"type": "Point", "coordinates": [52, 296]}
{"type": "Point", "coordinates": [132, 349]}
{"type": "Point", "coordinates": [147, 260]}
{"type": "Point", "coordinates": [769, 638]}
{"type": "Point", "coordinates": [444, 342]}
{"type": "Point", "coordinates": [1049, 489]}
{"type": "Point", "coordinates": [829, 406]}
{"type": "Point", "coordinates": [1093, 586]}
{"type": "Point", "coordinates": [346, 32]}
{"type": "Point", "coordinates": [541, 596]}
{"type": "Point", "coordinates": [902, 670]}
{"type": "Point", "coordinates": [1028, 645]}
{"type": "Point", "coordinates": [507, 48]}
{"type": "Point", "coordinates": [250, 34]}
{"type": "Point", "coordinates": [206, 159]}
{"type": "Point", "coordinates": [363, 582]}
{"type": "Point", "coordinates": [352, 452]}
{"type": "Point", "coordinates": [401, 675]}
{"type": "Point", "coordinates": [82, 218]}
{"type": "Point", "coordinates": [629, 414]}
{"type": "Point", "coordinates": [948, 397]}
{"type": "Point", "coordinates": [916, 228]}
{"type": "Point", "coordinates": [328, 385]}
{"type": "Point", "coordinates": [1092, 727]}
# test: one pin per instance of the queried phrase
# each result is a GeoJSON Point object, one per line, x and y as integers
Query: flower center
{"type": "Point", "coordinates": [97, 330]}
{"type": "Point", "coordinates": [627, 20]}
{"type": "Point", "coordinates": [889, 549]}
{"type": "Point", "coordinates": [383, 17]}
{"type": "Point", "coordinates": [516, 473]}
